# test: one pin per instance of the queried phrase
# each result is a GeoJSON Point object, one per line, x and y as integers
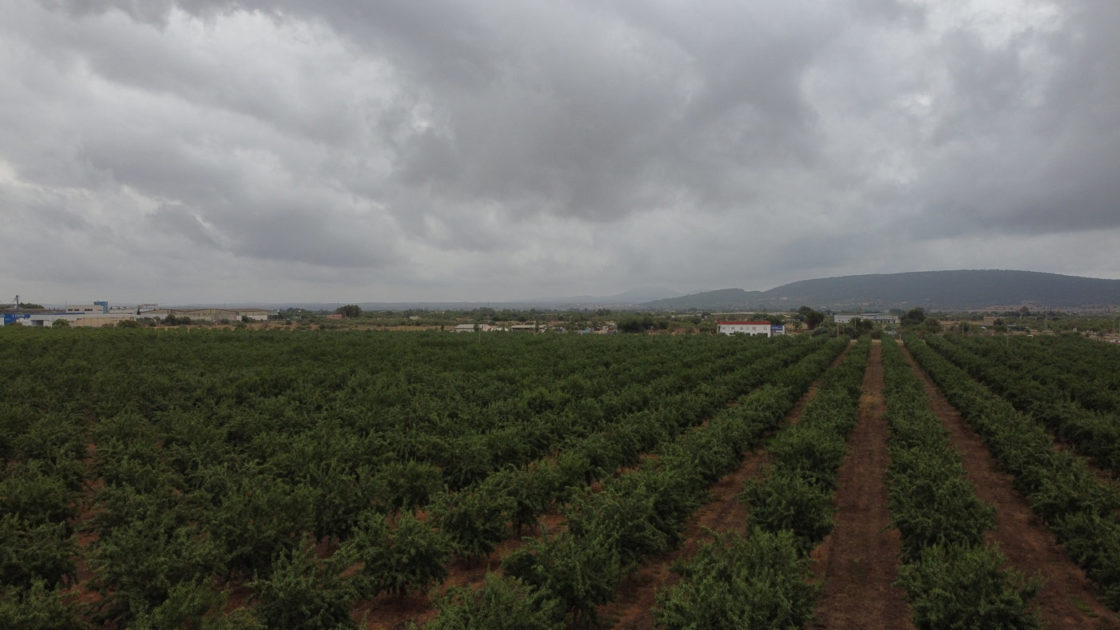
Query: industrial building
{"type": "Point", "coordinates": [100, 314]}
{"type": "Point", "coordinates": [744, 328]}
{"type": "Point", "coordinates": [470, 328]}
{"type": "Point", "coordinates": [213, 315]}
{"type": "Point", "coordinates": [75, 319]}
{"type": "Point", "coordinates": [878, 318]}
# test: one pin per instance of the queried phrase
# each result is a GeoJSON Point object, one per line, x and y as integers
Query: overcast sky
{"type": "Point", "coordinates": [213, 151]}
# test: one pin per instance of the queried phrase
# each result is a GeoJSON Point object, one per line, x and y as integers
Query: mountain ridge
{"type": "Point", "coordinates": [961, 289]}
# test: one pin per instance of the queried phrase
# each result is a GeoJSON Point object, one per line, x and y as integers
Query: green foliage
{"type": "Point", "coordinates": [35, 551]}
{"type": "Point", "coordinates": [967, 587]}
{"type": "Point", "coordinates": [639, 323]}
{"type": "Point", "coordinates": [1058, 381]}
{"type": "Point", "coordinates": [1062, 490]}
{"type": "Point", "coordinates": [469, 462]}
{"type": "Point", "coordinates": [500, 604]}
{"type": "Point", "coordinates": [349, 311]}
{"type": "Point", "coordinates": [60, 323]}
{"type": "Point", "coordinates": [931, 503]}
{"type": "Point", "coordinates": [140, 564]}
{"type": "Point", "coordinates": [259, 518]}
{"type": "Point", "coordinates": [301, 594]}
{"type": "Point", "coordinates": [813, 455]}
{"type": "Point", "coordinates": [35, 495]}
{"type": "Point", "coordinates": [625, 520]}
{"type": "Point", "coordinates": [579, 573]}
{"type": "Point", "coordinates": [474, 521]}
{"type": "Point", "coordinates": [528, 492]}
{"type": "Point", "coordinates": [218, 456]}
{"type": "Point", "coordinates": [913, 317]}
{"type": "Point", "coordinates": [409, 484]}
{"type": "Point", "coordinates": [954, 581]}
{"type": "Point", "coordinates": [1094, 543]}
{"type": "Point", "coordinates": [194, 604]}
{"type": "Point", "coordinates": [760, 581]}
{"type": "Point", "coordinates": [38, 608]}
{"type": "Point", "coordinates": [398, 559]}
{"type": "Point", "coordinates": [810, 317]}
{"type": "Point", "coordinates": [787, 501]}
{"type": "Point", "coordinates": [797, 495]}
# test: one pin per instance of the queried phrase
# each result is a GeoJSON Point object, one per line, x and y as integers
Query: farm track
{"type": "Point", "coordinates": [82, 586]}
{"type": "Point", "coordinates": [633, 608]}
{"type": "Point", "coordinates": [858, 560]}
{"type": "Point", "coordinates": [1067, 599]}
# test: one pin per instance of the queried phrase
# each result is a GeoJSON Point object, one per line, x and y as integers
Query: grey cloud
{"type": "Point", "coordinates": [179, 221]}
{"type": "Point", "coordinates": [419, 141]}
{"type": "Point", "coordinates": [525, 117]}
{"type": "Point", "coordinates": [1030, 150]}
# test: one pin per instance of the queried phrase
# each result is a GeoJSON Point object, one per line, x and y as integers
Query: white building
{"type": "Point", "coordinates": [878, 318]}
{"type": "Point", "coordinates": [74, 318]}
{"type": "Point", "coordinates": [469, 328]}
{"type": "Point", "coordinates": [743, 328]}
{"type": "Point", "coordinates": [214, 315]}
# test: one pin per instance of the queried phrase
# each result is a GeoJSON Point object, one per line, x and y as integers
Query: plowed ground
{"type": "Point", "coordinates": [859, 559]}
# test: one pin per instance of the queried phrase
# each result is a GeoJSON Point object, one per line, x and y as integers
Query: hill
{"type": "Point", "coordinates": [718, 300]}
{"type": "Point", "coordinates": [940, 290]}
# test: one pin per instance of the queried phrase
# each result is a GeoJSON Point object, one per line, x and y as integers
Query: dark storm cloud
{"type": "Point", "coordinates": [403, 144]}
{"type": "Point", "coordinates": [1019, 153]}
{"type": "Point", "coordinates": [587, 111]}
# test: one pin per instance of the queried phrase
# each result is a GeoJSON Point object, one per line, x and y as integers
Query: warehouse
{"type": "Point", "coordinates": [744, 328]}
{"type": "Point", "coordinates": [213, 315]}
{"type": "Point", "coordinates": [878, 318]}
{"type": "Point", "coordinates": [75, 319]}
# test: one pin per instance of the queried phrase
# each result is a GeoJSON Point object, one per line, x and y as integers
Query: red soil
{"type": "Point", "coordinates": [859, 559]}
{"type": "Point", "coordinates": [1067, 599]}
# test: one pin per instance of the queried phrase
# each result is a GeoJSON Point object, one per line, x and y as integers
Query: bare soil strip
{"type": "Point", "coordinates": [1066, 599]}
{"type": "Point", "coordinates": [633, 608]}
{"type": "Point", "coordinates": [859, 559]}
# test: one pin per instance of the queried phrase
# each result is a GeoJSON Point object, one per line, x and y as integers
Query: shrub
{"type": "Point", "coordinates": [786, 501]}
{"type": "Point", "coordinates": [194, 604]}
{"type": "Point", "coordinates": [32, 552]}
{"type": "Point", "coordinates": [301, 594]}
{"type": "Point", "coordinates": [501, 604]}
{"type": "Point", "coordinates": [38, 608]}
{"type": "Point", "coordinates": [967, 587]}
{"type": "Point", "coordinates": [396, 560]}
{"type": "Point", "coordinates": [409, 484]}
{"type": "Point", "coordinates": [814, 454]}
{"type": "Point", "coordinates": [474, 521]}
{"type": "Point", "coordinates": [932, 504]}
{"type": "Point", "coordinates": [625, 520]}
{"type": "Point", "coordinates": [581, 574]}
{"type": "Point", "coordinates": [758, 581]}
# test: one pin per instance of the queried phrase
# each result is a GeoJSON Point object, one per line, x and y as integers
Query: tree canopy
{"type": "Point", "coordinates": [350, 311]}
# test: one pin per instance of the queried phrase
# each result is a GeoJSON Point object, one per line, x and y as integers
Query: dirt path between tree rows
{"type": "Point", "coordinates": [859, 559]}
{"type": "Point", "coordinates": [633, 608]}
{"type": "Point", "coordinates": [1066, 599]}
